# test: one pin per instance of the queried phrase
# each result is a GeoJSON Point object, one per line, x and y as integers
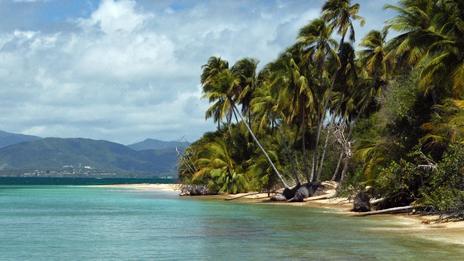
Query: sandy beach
{"type": "Point", "coordinates": [144, 186]}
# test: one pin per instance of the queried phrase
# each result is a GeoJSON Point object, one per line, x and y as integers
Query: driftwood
{"type": "Point", "coordinates": [404, 209]}
{"type": "Point", "coordinates": [321, 197]}
{"type": "Point", "coordinates": [241, 196]}
{"type": "Point", "coordinates": [376, 201]}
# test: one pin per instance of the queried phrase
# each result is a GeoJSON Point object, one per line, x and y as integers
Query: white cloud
{"type": "Point", "coordinates": [129, 70]}
{"type": "Point", "coordinates": [29, 1]}
{"type": "Point", "coordinates": [116, 17]}
{"type": "Point", "coordinates": [127, 57]}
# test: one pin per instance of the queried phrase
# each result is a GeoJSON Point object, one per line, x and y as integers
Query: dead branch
{"type": "Point", "coordinates": [395, 210]}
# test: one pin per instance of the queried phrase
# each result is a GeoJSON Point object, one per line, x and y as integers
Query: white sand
{"type": "Point", "coordinates": [164, 187]}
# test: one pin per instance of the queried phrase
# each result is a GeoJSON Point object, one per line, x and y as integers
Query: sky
{"type": "Point", "coordinates": [126, 70]}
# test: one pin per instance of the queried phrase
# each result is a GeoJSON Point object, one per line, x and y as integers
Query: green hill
{"type": "Point", "coordinates": [54, 153]}
{"type": "Point", "coordinates": [7, 138]}
{"type": "Point", "coordinates": [154, 144]}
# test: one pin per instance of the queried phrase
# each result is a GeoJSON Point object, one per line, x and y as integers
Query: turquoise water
{"type": "Point", "coordinates": [79, 181]}
{"type": "Point", "coordinates": [82, 223]}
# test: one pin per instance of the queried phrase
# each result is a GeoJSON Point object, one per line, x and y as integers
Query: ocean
{"type": "Point", "coordinates": [69, 222]}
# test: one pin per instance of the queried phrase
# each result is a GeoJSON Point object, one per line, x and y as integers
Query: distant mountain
{"type": "Point", "coordinates": [7, 138]}
{"type": "Point", "coordinates": [154, 144]}
{"type": "Point", "coordinates": [54, 153]}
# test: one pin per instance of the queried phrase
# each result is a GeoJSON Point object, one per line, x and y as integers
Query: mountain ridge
{"type": "Point", "coordinates": [9, 138]}
{"type": "Point", "coordinates": [57, 153]}
{"type": "Point", "coordinates": [156, 144]}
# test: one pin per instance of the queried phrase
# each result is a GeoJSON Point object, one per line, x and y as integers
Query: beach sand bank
{"type": "Point", "coordinates": [144, 186]}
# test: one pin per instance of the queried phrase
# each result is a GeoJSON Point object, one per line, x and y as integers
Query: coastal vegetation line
{"type": "Point", "coordinates": [383, 116]}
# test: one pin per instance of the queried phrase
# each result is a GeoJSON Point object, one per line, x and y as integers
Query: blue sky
{"type": "Point", "coordinates": [127, 70]}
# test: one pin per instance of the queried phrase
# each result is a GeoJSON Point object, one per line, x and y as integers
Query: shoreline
{"type": "Point", "coordinates": [423, 226]}
{"type": "Point", "coordinates": [143, 186]}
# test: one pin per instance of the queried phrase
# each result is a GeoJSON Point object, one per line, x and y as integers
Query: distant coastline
{"type": "Point", "coordinates": [82, 181]}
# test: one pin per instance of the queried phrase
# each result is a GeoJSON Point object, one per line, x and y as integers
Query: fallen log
{"type": "Point", "coordinates": [321, 197]}
{"type": "Point", "coordinates": [241, 196]}
{"type": "Point", "coordinates": [404, 209]}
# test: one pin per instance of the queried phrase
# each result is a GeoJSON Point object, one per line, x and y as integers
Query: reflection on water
{"type": "Point", "coordinates": [73, 223]}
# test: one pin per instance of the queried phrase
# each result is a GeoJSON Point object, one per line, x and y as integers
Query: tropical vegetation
{"type": "Point", "coordinates": [386, 111]}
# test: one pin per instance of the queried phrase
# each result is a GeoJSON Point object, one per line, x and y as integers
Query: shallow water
{"type": "Point", "coordinates": [81, 223]}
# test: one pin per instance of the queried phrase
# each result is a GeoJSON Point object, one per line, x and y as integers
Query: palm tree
{"type": "Point", "coordinates": [245, 71]}
{"type": "Point", "coordinates": [261, 148]}
{"type": "Point", "coordinates": [263, 105]}
{"type": "Point", "coordinates": [222, 88]}
{"type": "Point", "coordinates": [373, 57]}
{"type": "Point", "coordinates": [344, 104]}
{"type": "Point", "coordinates": [318, 44]}
{"type": "Point", "coordinates": [218, 91]}
{"type": "Point", "coordinates": [431, 38]}
{"type": "Point", "coordinates": [376, 66]}
{"type": "Point", "coordinates": [319, 48]}
{"type": "Point", "coordinates": [340, 14]}
{"type": "Point", "coordinates": [445, 58]}
{"type": "Point", "coordinates": [446, 126]}
{"type": "Point", "coordinates": [218, 164]}
{"type": "Point", "coordinates": [214, 91]}
{"type": "Point", "coordinates": [414, 23]}
{"type": "Point", "coordinates": [296, 96]}
{"type": "Point", "coordinates": [213, 67]}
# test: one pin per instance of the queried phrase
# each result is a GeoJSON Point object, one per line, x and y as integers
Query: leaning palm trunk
{"type": "Point", "coordinates": [261, 147]}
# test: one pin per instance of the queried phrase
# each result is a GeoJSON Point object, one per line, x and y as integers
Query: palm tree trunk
{"type": "Point", "coordinates": [303, 139]}
{"type": "Point", "coordinates": [346, 159]}
{"type": "Point", "coordinates": [342, 41]}
{"type": "Point", "coordinates": [249, 117]}
{"type": "Point", "coordinates": [318, 135]}
{"type": "Point", "coordinates": [335, 175]}
{"type": "Point", "coordinates": [345, 169]}
{"type": "Point", "coordinates": [262, 149]}
{"type": "Point", "coordinates": [319, 172]}
{"type": "Point", "coordinates": [235, 116]}
{"type": "Point", "coordinates": [321, 121]}
{"type": "Point", "coordinates": [321, 161]}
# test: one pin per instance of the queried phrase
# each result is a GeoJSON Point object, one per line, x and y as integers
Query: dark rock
{"type": "Point", "coordinates": [361, 202]}
{"type": "Point", "coordinates": [290, 192]}
{"type": "Point", "coordinates": [304, 191]}
{"type": "Point", "coordinates": [195, 190]}
{"type": "Point", "coordinates": [278, 197]}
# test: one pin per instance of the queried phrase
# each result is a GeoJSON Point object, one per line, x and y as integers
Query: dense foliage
{"type": "Point", "coordinates": [387, 112]}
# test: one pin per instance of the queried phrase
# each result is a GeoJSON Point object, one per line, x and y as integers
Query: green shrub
{"type": "Point", "coordinates": [399, 184]}
{"type": "Point", "coordinates": [445, 191]}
